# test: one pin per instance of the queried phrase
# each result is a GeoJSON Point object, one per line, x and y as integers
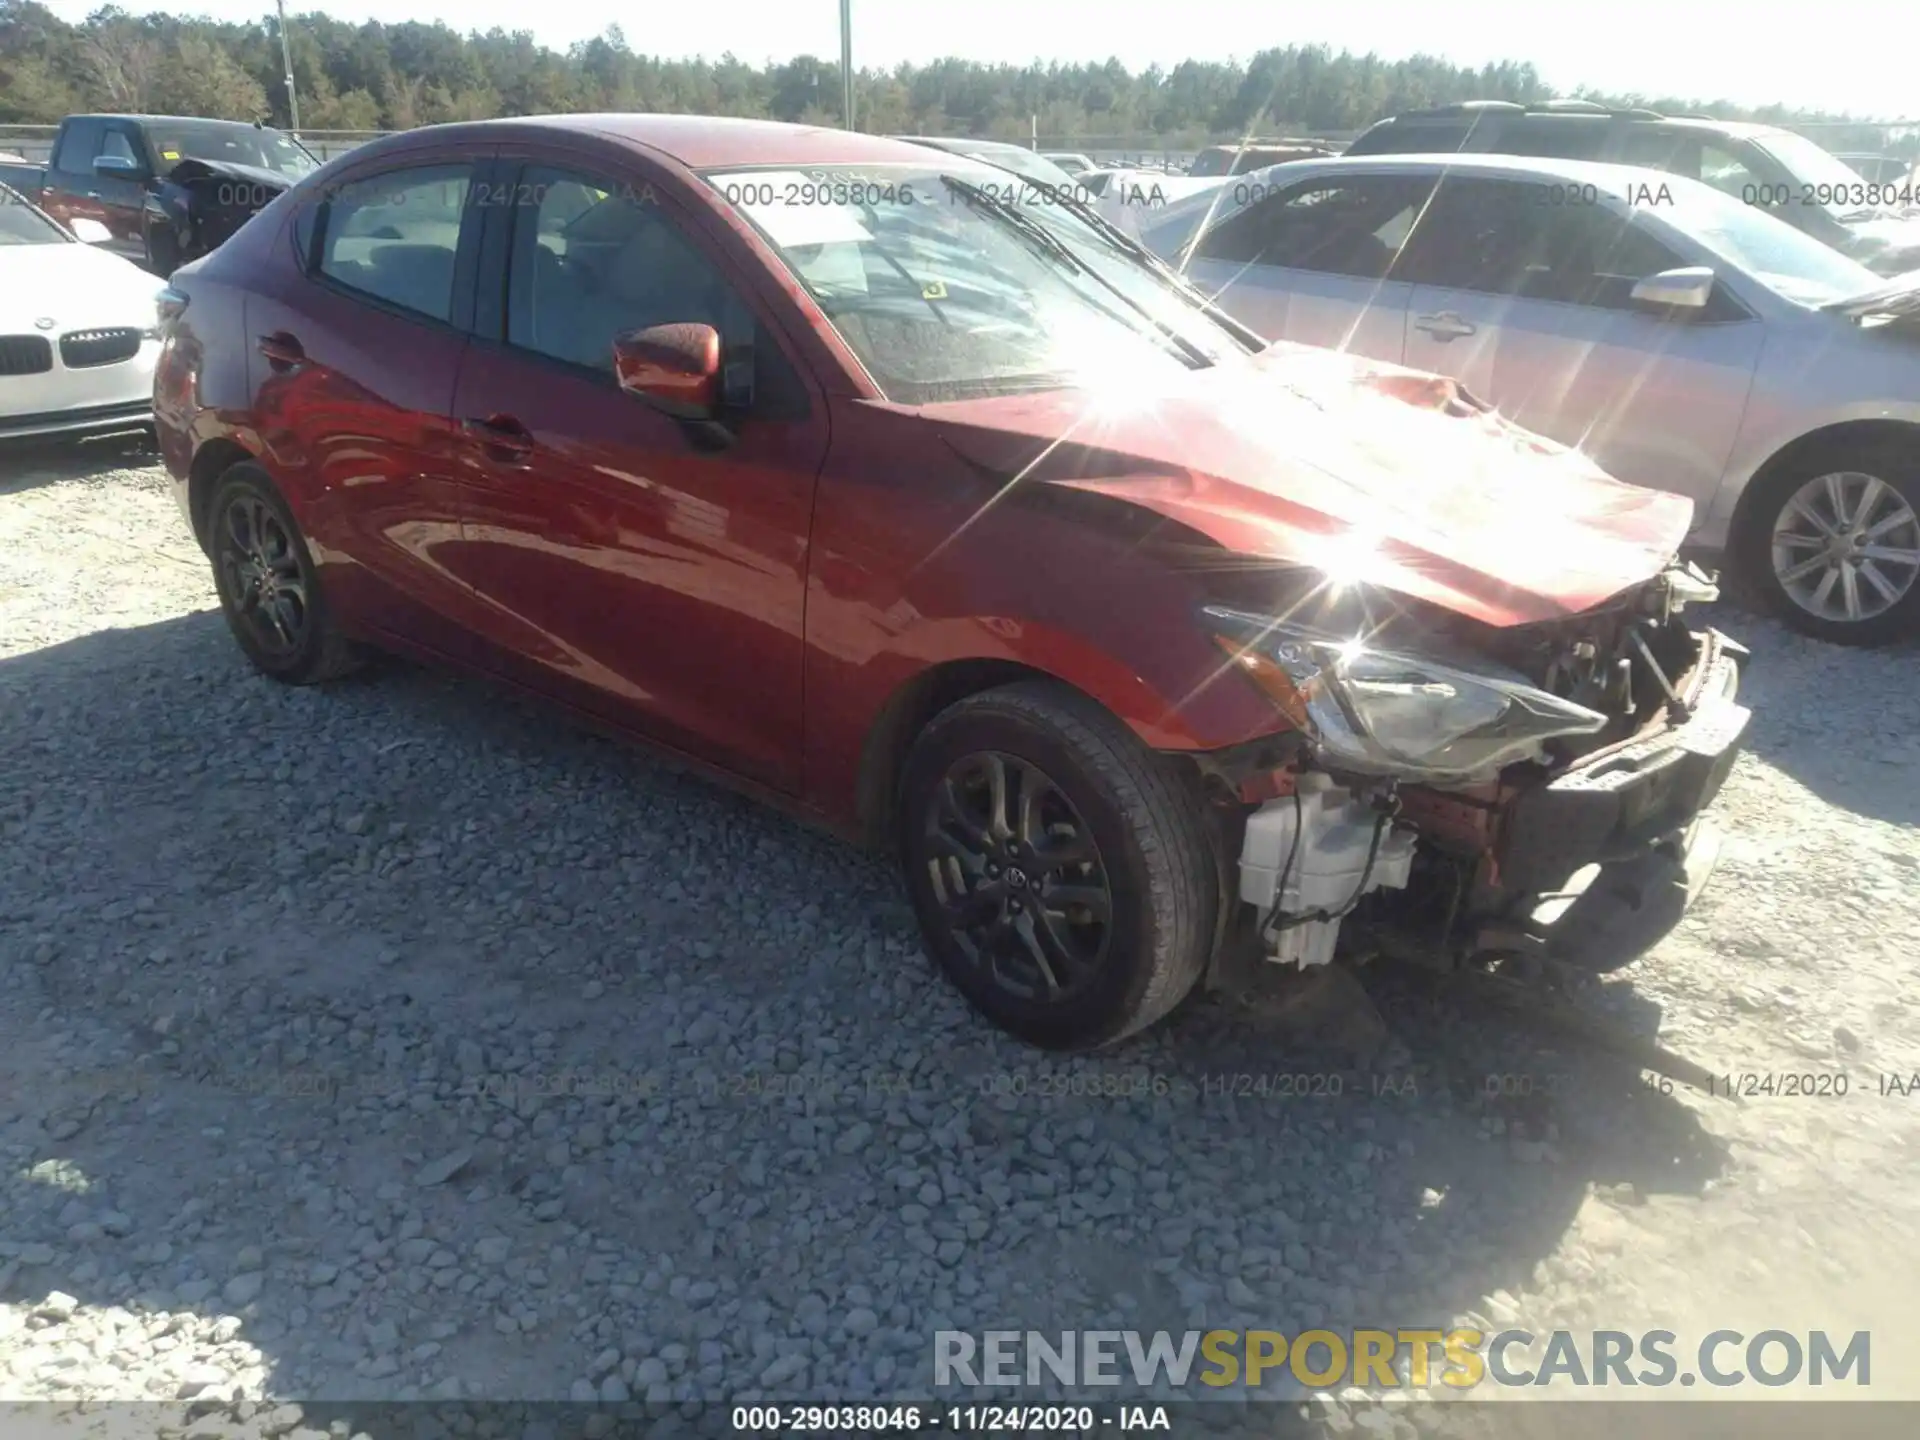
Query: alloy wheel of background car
{"type": "Point", "coordinates": [1060, 870]}
{"type": "Point", "coordinates": [268, 589]}
{"type": "Point", "coordinates": [1834, 544]}
{"type": "Point", "coordinates": [1847, 546]}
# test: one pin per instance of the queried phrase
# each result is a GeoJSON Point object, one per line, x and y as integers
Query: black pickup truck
{"type": "Point", "coordinates": [167, 187]}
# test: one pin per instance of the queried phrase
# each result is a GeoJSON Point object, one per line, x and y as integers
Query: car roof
{"type": "Point", "coordinates": [1236, 146]}
{"type": "Point", "coordinates": [1466, 118]}
{"type": "Point", "coordinates": [168, 119]}
{"type": "Point", "coordinates": [1582, 172]}
{"type": "Point", "coordinates": [700, 142]}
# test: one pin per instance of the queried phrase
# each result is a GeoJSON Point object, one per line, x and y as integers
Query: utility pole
{"type": "Point", "coordinates": [846, 63]}
{"type": "Point", "coordinates": [286, 63]}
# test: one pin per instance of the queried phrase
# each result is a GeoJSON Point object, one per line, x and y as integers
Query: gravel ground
{"type": "Point", "coordinates": [393, 1041]}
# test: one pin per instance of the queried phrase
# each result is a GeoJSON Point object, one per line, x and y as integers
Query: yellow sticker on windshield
{"type": "Point", "coordinates": [934, 290]}
{"type": "Point", "coordinates": [169, 154]}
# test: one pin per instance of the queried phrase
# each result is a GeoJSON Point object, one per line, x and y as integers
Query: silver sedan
{"type": "Point", "coordinates": [1684, 340]}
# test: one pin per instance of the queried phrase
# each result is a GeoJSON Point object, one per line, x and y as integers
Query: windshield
{"type": "Point", "coordinates": [1832, 183]}
{"type": "Point", "coordinates": [1789, 261]}
{"type": "Point", "coordinates": [177, 140]}
{"type": "Point", "coordinates": [21, 224]}
{"type": "Point", "coordinates": [955, 281]}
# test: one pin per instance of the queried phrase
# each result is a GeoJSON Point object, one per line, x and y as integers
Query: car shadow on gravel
{"type": "Point", "coordinates": [25, 464]}
{"type": "Point", "coordinates": [1837, 719]}
{"type": "Point", "coordinates": [267, 953]}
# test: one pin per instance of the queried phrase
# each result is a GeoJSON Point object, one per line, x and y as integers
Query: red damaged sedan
{"type": "Point", "coordinates": [927, 505]}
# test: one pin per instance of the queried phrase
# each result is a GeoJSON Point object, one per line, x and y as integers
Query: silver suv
{"type": "Point", "coordinates": [1873, 219]}
{"type": "Point", "coordinates": [1684, 340]}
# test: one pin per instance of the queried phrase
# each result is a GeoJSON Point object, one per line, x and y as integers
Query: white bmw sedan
{"type": "Point", "coordinates": [78, 330]}
{"type": "Point", "coordinates": [1682, 339]}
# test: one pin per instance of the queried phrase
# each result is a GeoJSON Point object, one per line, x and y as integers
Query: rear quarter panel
{"type": "Point", "coordinates": [202, 388]}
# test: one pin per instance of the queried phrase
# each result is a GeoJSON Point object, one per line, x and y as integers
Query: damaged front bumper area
{"type": "Point", "coordinates": [1442, 873]}
{"type": "Point", "coordinates": [1614, 804]}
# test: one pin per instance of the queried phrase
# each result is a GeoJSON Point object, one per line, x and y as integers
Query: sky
{"type": "Point", "coordinates": [1852, 55]}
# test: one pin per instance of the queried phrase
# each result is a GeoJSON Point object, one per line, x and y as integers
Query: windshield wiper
{"type": "Point", "coordinates": [1053, 246]}
{"type": "Point", "coordinates": [1127, 245]}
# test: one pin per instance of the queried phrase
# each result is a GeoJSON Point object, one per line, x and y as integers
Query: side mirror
{"type": "Point", "coordinates": [1688, 288]}
{"type": "Point", "coordinates": [674, 368]}
{"type": "Point", "coordinates": [92, 232]}
{"type": "Point", "coordinates": [119, 167]}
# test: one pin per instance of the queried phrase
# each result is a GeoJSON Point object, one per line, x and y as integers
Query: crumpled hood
{"type": "Point", "coordinates": [1373, 473]}
{"type": "Point", "coordinates": [1899, 297]}
{"type": "Point", "coordinates": [1886, 243]}
{"type": "Point", "coordinates": [192, 169]}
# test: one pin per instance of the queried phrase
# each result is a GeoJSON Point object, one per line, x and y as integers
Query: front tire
{"type": "Point", "coordinates": [1060, 870]}
{"type": "Point", "coordinates": [269, 587]}
{"type": "Point", "coordinates": [1831, 544]}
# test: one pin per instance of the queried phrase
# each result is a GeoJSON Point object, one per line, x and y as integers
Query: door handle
{"type": "Point", "coordinates": [1444, 326]}
{"type": "Point", "coordinates": [501, 437]}
{"type": "Point", "coordinates": [283, 352]}
{"type": "Point", "coordinates": [93, 194]}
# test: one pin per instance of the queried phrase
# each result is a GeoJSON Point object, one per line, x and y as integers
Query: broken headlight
{"type": "Point", "coordinates": [1380, 712]}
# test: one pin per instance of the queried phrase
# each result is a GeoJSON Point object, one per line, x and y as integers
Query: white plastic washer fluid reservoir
{"type": "Point", "coordinates": [1334, 833]}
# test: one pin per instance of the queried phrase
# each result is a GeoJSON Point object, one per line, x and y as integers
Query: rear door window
{"type": "Point", "coordinates": [1414, 139]}
{"type": "Point", "coordinates": [1478, 235]}
{"type": "Point", "coordinates": [1560, 137]}
{"type": "Point", "coordinates": [1672, 150]}
{"type": "Point", "coordinates": [1707, 159]}
{"type": "Point", "coordinates": [1351, 226]}
{"type": "Point", "coordinates": [394, 237]}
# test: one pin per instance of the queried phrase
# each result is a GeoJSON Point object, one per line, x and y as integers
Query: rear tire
{"type": "Point", "coordinates": [1060, 870]}
{"type": "Point", "coordinates": [269, 587]}
{"type": "Point", "coordinates": [1821, 541]}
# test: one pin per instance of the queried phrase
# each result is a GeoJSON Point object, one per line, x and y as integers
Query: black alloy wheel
{"type": "Point", "coordinates": [263, 574]}
{"type": "Point", "coordinates": [1019, 876]}
{"type": "Point", "coordinates": [1061, 871]}
{"type": "Point", "coordinates": [269, 589]}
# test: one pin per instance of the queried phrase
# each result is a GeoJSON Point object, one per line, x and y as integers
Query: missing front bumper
{"type": "Point", "coordinates": [1624, 801]}
{"type": "Point", "coordinates": [1630, 812]}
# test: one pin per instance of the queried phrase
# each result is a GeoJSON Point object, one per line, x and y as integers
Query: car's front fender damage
{"type": "Point", "coordinates": [1565, 860]}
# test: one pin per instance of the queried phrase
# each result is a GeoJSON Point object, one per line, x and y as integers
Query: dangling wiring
{"type": "Point", "coordinates": [1272, 922]}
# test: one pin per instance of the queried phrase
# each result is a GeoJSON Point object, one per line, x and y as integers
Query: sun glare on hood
{"type": "Point", "coordinates": [1347, 559]}
{"type": "Point", "coordinates": [1116, 387]}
